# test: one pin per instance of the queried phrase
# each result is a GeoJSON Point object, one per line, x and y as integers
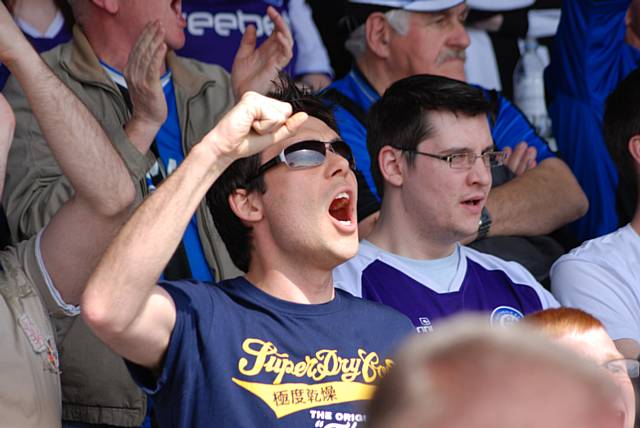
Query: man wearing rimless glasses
{"type": "Point", "coordinates": [434, 154]}
{"type": "Point", "coordinates": [279, 346]}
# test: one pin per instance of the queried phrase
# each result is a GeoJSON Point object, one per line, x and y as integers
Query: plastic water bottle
{"type": "Point", "coordinates": [528, 88]}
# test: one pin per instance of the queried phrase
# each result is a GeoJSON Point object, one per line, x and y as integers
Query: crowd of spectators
{"type": "Point", "coordinates": [213, 219]}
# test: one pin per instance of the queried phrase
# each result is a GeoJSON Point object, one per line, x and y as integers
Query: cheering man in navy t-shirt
{"type": "Point", "coordinates": [279, 346]}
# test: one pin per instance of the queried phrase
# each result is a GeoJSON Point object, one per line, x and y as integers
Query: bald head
{"type": "Point", "coordinates": [468, 375]}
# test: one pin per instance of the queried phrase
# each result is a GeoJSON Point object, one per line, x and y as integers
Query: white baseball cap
{"type": "Point", "coordinates": [415, 6]}
{"type": "Point", "coordinates": [500, 5]}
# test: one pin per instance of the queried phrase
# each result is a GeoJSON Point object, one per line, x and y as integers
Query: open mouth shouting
{"type": "Point", "coordinates": [342, 211]}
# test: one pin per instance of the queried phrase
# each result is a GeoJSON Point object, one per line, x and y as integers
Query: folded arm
{"type": "Point", "coordinates": [537, 202]}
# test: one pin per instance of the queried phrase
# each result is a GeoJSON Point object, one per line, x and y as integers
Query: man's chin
{"type": "Point", "coordinates": [176, 42]}
{"type": "Point", "coordinates": [346, 251]}
{"type": "Point", "coordinates": [454, 69]}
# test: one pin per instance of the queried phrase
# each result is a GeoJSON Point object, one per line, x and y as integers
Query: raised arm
{"type": "Point", "coordinates": [79, 231]}
{"type": "Point", "coordinates": [122, 303]}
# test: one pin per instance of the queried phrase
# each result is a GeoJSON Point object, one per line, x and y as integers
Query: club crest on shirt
{"type": "Point", "coordinates": [504, 316]}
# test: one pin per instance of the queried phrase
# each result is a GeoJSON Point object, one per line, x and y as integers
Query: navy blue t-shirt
{"type": "Point", "coordinates": [239, 357]}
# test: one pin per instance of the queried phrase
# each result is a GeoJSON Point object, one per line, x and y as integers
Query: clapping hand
{"type": "Point", "coordinates": [255, 69]}
{"type": "Point", "coordinates": [143, 71]}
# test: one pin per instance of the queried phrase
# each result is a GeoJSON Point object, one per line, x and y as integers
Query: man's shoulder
{"type": "Point", "coordinates": [195, 295]}
{"type": "Point", "coordinates": [600, 275]}
{"type": "Point", "coordinates": [374, 311]}
{"type": "Point", "coordinates": [351, 95]}
{"type": "Point", "coordinates": [513, 270]}
{"type": "Point", "coordinates": [367, 254]}
{"type": "Point", "coordinates": [347, 275]}
{"type": "Point", "coordinates": [609, 251]}
{"type": "Point", "coordinates": [196, 288]}
{"type": "Point", "coordinates": [53, 56]}
{"type": "Point", "coordinates": [340, 84]}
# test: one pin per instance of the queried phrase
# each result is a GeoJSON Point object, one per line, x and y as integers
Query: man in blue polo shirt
{"type": "Point", "coordinates": [434, 153]}
{"type": "Point", "coordinates": [391, 40]}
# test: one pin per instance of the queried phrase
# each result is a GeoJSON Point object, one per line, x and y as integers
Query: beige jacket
{"type": "Point", "coordinates": [95, 383]}
{"type": "Point", "coordinates": [29, 364]}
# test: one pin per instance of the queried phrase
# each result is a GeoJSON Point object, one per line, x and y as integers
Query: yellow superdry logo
{"type": "Point", "coordinates": [355, 375]}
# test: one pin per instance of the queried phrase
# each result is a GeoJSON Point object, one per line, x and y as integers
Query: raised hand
{"type": "Point", "coordinates": [255, 69]}
{"type": "Point", "coordinates": [252, 125]}
{"type": "Point", "coordinates": [521, 159]}
{"type": "Point", "coordinates": [143, 71]}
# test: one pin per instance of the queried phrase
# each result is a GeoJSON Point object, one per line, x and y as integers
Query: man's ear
{"type": "Point", "coordinates": [378, 34]}
{"type": "Point", "coordinates": [246, 205]}
{"type": "Point", "coordinates": [391, 165]}
{"type": "Point", "coordinates": [634, 148]}
{"type": "Point", "coordinates": [111, 6]}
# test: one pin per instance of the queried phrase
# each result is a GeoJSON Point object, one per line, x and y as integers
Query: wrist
{"type": "Point", "coordinates": [209, 148]}
{"type": "Point", "coordinates": [22, 60]}
{"type": "Point", "coordinates": [145, 123]}
{"type": "Point", "coordinates": [141, 133]}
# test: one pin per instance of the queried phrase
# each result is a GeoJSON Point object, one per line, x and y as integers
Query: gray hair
{"type": "Point", "coordinates": [356, 44]}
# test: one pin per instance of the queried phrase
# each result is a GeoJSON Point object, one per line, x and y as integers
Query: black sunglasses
{"type": "Point", "coordinates": [307, 154]}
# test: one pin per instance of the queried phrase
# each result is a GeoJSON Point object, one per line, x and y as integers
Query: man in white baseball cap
{"type": "Point", "coordinates": [394, 39]}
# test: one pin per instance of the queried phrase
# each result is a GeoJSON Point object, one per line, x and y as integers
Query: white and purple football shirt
{"type": "Point", "coordinates": [429, 290]}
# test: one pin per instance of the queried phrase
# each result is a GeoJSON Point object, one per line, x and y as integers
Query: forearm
{"type": "Point", "coordinates": [125, 277]}
{"type": "Point", "coordinates": [76, 139]}
{"type": "Point", "coordinates": [538, 202]}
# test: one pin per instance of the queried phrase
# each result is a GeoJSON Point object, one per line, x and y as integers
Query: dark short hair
{"type": "Point", "coordinates": [235, 234]}
{"type": "Point", "coordinates": [621, 122]}
{"type": "Point", "coordinates": [400, 118]}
